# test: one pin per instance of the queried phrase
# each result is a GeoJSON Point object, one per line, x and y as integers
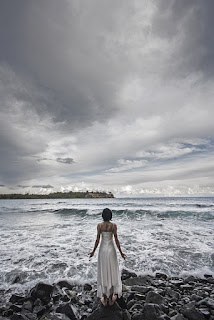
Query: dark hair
{"type": "Point", "coordinates": [107, 214]}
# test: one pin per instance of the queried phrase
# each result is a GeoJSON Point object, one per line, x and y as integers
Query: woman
{"type": "Point", "coordinates": [108, 277]}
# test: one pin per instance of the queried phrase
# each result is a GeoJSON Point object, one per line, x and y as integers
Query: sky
{"type": "Point", "coordinates": [107, 95]}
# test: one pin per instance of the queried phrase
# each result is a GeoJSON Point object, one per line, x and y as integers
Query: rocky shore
{"type": "Point", "coordinates": [144, 298]}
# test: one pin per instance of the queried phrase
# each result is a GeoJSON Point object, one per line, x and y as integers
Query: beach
{"type": "Point", "coordinates": [49, 240]}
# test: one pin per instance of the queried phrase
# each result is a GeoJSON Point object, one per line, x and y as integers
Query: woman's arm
{"type": "Point", "coordinates": [96, 241]}
{"type": "Point", "coordinates": [117, 242]}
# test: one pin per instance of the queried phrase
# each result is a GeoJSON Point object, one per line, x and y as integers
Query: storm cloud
{"type": "Point", "coordinates": [107, 95]}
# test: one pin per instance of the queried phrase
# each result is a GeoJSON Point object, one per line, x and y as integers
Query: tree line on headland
{"type": "Point", "coordinates": [58, 195]}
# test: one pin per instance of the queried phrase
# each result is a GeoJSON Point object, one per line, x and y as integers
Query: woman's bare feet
{"type": "Point", "coordinates": [104, 301]}
{"type": "Point", "coordinates": [112, 299]}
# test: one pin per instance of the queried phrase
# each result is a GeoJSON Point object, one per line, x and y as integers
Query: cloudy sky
{"type": "Point", "coordinates": [107, 95]}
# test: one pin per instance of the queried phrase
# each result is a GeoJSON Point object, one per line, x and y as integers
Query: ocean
{"type": "Point", "coordinates": [49, 239]}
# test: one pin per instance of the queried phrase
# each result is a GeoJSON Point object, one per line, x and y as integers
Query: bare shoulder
{"type": "Point", "coordinates": [114, 227]}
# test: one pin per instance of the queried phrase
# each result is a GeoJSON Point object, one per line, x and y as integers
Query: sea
{"type": "Point", "coordinates": [49, 240]}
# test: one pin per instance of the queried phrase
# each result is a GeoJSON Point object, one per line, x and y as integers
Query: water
{"type": "Point", "coordinates": [49, 240]}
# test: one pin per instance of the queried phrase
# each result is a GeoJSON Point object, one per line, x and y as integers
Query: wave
{"type": "Point", "coordinates": [132, 214]}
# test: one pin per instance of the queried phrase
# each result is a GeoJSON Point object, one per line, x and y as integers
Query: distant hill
{"type": "Point", "coordinates": [58, 195]}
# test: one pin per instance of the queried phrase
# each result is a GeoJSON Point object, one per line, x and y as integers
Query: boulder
{"type": "Point", "coordinates": [178, 317]}
{"type": "Point", "coordinates": [141, 289]}
{"type": "Point", "coordinates": [159, 275]}
{"type": "Point", "coordinates": [151, 311]}
{"type": "Point", "coordinates": [16, 299]}
{"type": "Point", "coordinates": [127, 274]}
{"type": "Point", "coordinates": [192, 313]}
{"type": "Point", "coordinates": [43, 292]}
{"type": "Point", "coordinates": [107, 313]}
{"type": "Point", "coordinates": [65, 284]}
{"type": "Point", "coordinates": [139, 281]}
{"type": "Point", "coordinates": [155, 298]}
{"type": "Point", "coordinates": [67, 310]}
{"type": "Point", "coordinates": [87, 287]}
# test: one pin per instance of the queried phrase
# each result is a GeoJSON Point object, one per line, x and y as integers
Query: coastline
{"type": "Point", "coordinates": [58, 195]}
{"type": "Point", "coordinates": [144, 298]}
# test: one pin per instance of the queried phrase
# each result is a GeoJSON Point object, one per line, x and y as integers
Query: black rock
{"type": "Point", "coordinates": [7, 313]}
{"type": "Point", "coordinates": [65, 284]}
{"type": "Point", "coordinates": [87, 287]}
{"type": "Point", "coordinates": [159, 275]}
{"type": "Point", "coordinates": [28, 305]}
{"type": "Point", "coordinates": [16, 279]}
{"type": "Point", "coordinates": [192, 313]}
{"type": "Point", "coordinates": [107, 313]}
{"type": "Point", "coordinates": [39, 311]}
{"type": "Point", "coordinates": [139, 281]}
{"type": "Point", "coordinates": [155, 298]}
{"type": "Point", "coordinates": [42, 291]}
{"type": "Point", "coordinates": [16, 299]}
{"type": "Point", "coordinates": [17, 316]}
{"type": "Point", "coordinates": [126, 315]}
{"type": "Point", "coordinates": [151, 312]}
{"type": "Point", "coordinates": [137, 316]}
{"type": "Point", "coordinates": [142, 289]}
{"type": "Point", "coordinates": [127, 274]}
{"type": "Point", "coordinates": [178, 317]}
{"type": "Point", "coordinates": [67, 310]}
{"type": "Point", "coordinates": [172, 293]}
{"type": "Point", "coordinates": [121, 302]}
{"type": "Point", "coordinates": [16, 308]}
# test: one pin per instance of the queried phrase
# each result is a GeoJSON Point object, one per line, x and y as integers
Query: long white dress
{"type": "Point", "coordinates": [108, 275]}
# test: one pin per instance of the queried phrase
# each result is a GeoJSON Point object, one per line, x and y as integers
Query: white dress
{"type": "Point", "coordinates": [108, 275]}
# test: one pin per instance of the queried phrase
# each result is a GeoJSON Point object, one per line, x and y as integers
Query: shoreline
{"type": "Point", "coordinates": [144, 298]}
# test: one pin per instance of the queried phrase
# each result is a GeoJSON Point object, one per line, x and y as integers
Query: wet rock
{"type": "Point", "coordinates": [172, 293]}
{"type": "Point", "coordinates": [142, 289]}
{"type": "Point", "coordinates": [139, 281]}
{"type": "Point", "coordinates": [16, 308]}
{"type": "Point", "coordinates": [178, 317]}
{"type": "Point", "coordinates": [28, 305]}
{"type": "Point", "coordinates": [137, 316]}
{"type": "Point", "coordinates": [136, 307]}
{"type": "Point", "coordinates": [130, 304]}
{"type": "Point", "coordinates": [16, 299]}
{"type": "Point", "coordinates": [7, 313]}
{"type": "Point", "coordinates": [155, 298]}
{"type": "Point", "coordinates": [107, 313]}
{"type": "Point", "coordinates": [190, 279]}
{"type": "Point", "coordinates": [39, 311]}
{"type": "Point", "coordinates": [151, 312]}
{"type": "Point", "coordinates": [16, 280]}
{"type": "Point", "coordinates": [186, 287]}
{"type": "Point", "coordinates": [122, 303]}
{"type": "Point", "coordinates": [67, 310]}
{"type": "Point", "coordinates": [43, 292]}
{"type": "Point", "coordinates": [126, 315]}
{"type": "Point", "coordinates": [65, 284]}
{"type": "Point", "coordinates": [159, 275]}
{"type": "Point", "coordinates": [192, 313]}
{"type": "Point", "coordinates": [127, 274]}
{"type": "Point", "coordinates": [17, 316]}
{"type": "Point", "coordinates": [87, 287]}
{"type": "Point", "coordinates": [176, 283]}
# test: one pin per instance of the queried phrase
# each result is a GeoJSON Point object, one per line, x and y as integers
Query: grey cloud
{"type": "Point", "coordinates": [70, 65]}
{"type": "Point", "coordinates": [2, 185]}
{"type": "Point", "coordinates": [65, 160]}
{"type": "Point", "coordinates": [47, 186]}
{"type": "Point", "coordinates": [22, 186]}
{"type": "Point", "coordinates": [48, 40]}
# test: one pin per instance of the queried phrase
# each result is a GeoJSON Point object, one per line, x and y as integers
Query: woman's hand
{"type": "Point", "coordinates": [91, 254]}
{"type": "Point", "coordinates": [123, 255]}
